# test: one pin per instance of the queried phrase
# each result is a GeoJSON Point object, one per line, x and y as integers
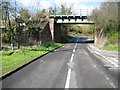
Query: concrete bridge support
{"type": "Point", "coordinates": [51, 24]}
{"type": "Point", "coordinates": [46, 33]}
{"type": "Point", "coordinates": [99, 37]}
{"type": "Point", "coordinates": [55, 30]}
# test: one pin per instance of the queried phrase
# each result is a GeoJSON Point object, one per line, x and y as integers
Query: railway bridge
{"type": "Point", "coordinates": [56, 21]}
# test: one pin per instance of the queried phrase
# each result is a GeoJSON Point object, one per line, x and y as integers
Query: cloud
{"type": "Point", "coordinates": [45, 4]}
{"type": "Point", "coordinates": [76, 5]}
{"type": "Point", "coordinates": [66, 2]}
{"type": "Point", "coordinates": [82, 8]}
{"type": "Point", "coordinates": [26, 3]}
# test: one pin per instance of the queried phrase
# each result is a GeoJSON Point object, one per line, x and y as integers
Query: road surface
{"type": "Point", "coordinates": [71, 66]}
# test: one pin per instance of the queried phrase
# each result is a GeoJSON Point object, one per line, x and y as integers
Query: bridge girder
{"type": "Point", "coordinates": [69, 18]}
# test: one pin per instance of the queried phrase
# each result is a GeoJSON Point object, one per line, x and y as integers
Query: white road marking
{"type": "Point", "coordinates": [75, 46]}
{"type": "Point", "coordinates": [41, 60]}
{"type": "Point", "coordinates": [69, 73]}
{"type": "Point", "coordinates": [72, 58]}
{"type": "Point", "coordinates": [90, 50]}
{"type": "Point", "coordinates": [56, 50]}
{"type": "Point", "coordinates": [73, 50]}
{"type": "Point", "coordinates": [108, 79]}
{"type": "Point", "coordinates": [95, 66]}
{"type": "Point", "coordinates": [68, 78]}
{"type": "Point", "coordinates": [67, 85]}
{"type": "Point", "coordinates": [112, 84]}
{"type": "Point", "coordinates": [114, 62]}
{"type": "Point", "coordinates": [86, 53]}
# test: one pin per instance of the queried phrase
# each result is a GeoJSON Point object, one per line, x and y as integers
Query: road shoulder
{"type": "Point", "coordinates": [110, 57]}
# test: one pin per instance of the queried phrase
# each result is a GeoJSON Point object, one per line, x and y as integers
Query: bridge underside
{"type": "Point", "coordinates": [71, 19]}
{"type": "Point", "coordinates": [74, 22]}
{"type": "Point", "coordinates": [57, 20]}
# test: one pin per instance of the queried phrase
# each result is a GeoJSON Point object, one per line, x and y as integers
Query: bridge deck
{"type": "Point", "coordinates": [67, 16]}
{"type": "Point", "coordinates": [71, 19]}
{"type": "Point", "coordinates": [75, 22]}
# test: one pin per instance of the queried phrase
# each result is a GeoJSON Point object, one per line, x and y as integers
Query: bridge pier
{"type": "Point", "coordinates": [55, 30]}
{"type": "Point", "coordinates": [51, 24]}
{"type": "Point", "coordinates": [56, 22]}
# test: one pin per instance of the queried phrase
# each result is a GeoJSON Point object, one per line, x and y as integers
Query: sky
{"type": "Point", "coordinates": [34, 5]}
{"type": "Point", "coordinates": [50, 3]}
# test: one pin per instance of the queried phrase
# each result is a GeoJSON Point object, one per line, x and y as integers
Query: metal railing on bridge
{"type": "Point", "coordinates": [80, 18]}
{"type": "Point", "coordinates": [80, 12]}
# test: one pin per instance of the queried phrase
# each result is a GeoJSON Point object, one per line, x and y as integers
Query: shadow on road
{"type": "Point", "coordinates": [81, 40]}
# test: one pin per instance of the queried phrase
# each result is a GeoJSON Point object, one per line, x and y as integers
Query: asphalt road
{"type": "Point", "coordinates": [71, 66]}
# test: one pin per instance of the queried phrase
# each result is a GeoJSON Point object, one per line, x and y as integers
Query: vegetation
{"type": "Point", "coordinates": [106, 19]}
{"type": "Point", "coordinates": [111, 47]}
{"type": "Point", "coordinates": [21, 56]}
{"type": "Point", "coordinates": [76, 35]}
{"type": "Point", "coordinates": [81, 29]}
{"type": "Point", "coordinates": [22, 27]}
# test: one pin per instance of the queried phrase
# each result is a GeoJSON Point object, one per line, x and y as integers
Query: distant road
{"type": "Point", "coordinates": [71, 66]}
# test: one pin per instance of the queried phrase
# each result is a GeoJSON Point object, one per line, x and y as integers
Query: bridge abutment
{"type": "Point", "coordinates": [51, 24]}
{"type": "Point", "coordinates": [55, 30]}
{"type": "Point", "coordinates": [56, 21]}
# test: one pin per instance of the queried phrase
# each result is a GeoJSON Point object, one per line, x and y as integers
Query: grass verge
{"type": "Point", "coordinates": [76, 35]}
{"type": "Point", "coordinates": [111, 47]}
{"type": "Point", "coordinates": [24, 55]}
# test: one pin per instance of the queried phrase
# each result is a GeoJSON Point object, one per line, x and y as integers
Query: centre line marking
{"type": "Point", "coordinates": [68, 78]}
{"type": "Point", "coordinates": [73, 50]}
{"type": "Point", "coordinates": [69, 74]}
{"type": "Point", "coordinates": [72, 58]}
{"type": "Point", "coordinates": [75, 46]}
{"type": "Point", "coordinates": [70, 70]}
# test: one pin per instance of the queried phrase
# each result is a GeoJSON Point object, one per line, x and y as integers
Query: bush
{"type": "Point", "coordinates": [112, 36]}
{"type": "Point", "coordinates": [5, 48]}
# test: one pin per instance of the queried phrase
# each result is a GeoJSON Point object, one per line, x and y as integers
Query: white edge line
{"type": "Point", "coordinates": [116, 65]}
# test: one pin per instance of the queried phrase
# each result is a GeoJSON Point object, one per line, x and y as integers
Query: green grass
{"type": "Point", "coordinates": [24, 55]}
{"type": "Point", "coordinates": [112, 37]}
{"type": "Point", "coordinates": [111, 47]}
{"type": "Point", "coordinates": [76, 35]}
{"type": "Point", "coordinates": [112, 40]}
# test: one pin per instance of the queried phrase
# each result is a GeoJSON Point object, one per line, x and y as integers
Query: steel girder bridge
{"type": "Point", "coordinates": [82, 18]}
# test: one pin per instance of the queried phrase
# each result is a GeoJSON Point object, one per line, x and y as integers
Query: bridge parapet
{"type": "Point", "coordinates": [82, 18]}
{"type": "Point", "coordinates": [75, 19]}
{"type": "Point", "coordinates": [80, 12]}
